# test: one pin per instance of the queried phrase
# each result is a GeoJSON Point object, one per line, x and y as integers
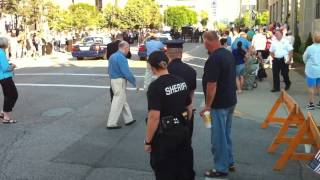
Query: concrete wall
{"type": "Point", "coordinates": [262, 5]}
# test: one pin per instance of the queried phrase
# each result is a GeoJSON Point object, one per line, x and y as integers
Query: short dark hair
{"type": "Point", "coordinates": [223, 41]}
{"type": "Point", "coordinates": [158, 60]}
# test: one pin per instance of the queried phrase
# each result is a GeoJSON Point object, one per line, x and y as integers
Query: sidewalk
{"type": "Point", "coordinates": [256, 104]}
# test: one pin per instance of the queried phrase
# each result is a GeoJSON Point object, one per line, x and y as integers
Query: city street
{"type": "Point", "coordinates": [62, 111]}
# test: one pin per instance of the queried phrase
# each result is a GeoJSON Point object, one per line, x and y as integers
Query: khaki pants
{"type": "Point", "coordinates": [119, 103]}
{"type": "Point", "coordinates": [147, 77]}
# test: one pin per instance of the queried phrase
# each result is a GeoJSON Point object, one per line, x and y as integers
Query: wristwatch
{"type": "Point", "coordinates": [147, 143]}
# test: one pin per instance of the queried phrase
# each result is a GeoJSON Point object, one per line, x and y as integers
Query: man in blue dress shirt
{"type": "Point", "coordinates": [120, 73]}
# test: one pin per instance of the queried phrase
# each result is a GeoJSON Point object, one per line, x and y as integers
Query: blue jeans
{"type": "Point", "coordinates": [220, 138]}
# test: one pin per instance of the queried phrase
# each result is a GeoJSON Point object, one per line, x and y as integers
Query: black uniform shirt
{"type": "Point", "coordinates": [220, 68]}
{"type": "Point", "coordinates": [169, 95]}
{"type": "Point", "coordinates": [184, 71]}
{"type": "Point", "coordinates": [114, 47]}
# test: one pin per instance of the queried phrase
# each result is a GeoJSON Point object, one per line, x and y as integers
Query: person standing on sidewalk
{"type": "Point", "coordinates": [154, 44]}
{"type": "Point", "coordinates": [311, 58]}
{"type": "Point", "coordinates": [8, 87]}
{"type": "Point", "coordinates": [281, 51]}
{"type": "Point", "coordinates": [259, 42]}
{"type": "Point", "coordinates": [219, 86]}
{"type": "Point", "coordinates": [240, 58]}
{"type": "Point", "coordinates": [120, 73]}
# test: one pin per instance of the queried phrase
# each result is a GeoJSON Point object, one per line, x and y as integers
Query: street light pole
{"type": "Point", "coordinates": [240, 9]}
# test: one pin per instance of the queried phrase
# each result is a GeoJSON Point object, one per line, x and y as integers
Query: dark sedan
{"type": "Point", "coordinates": [91, 47]}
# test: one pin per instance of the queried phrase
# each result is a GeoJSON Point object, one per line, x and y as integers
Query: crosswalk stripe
{"type": "Point", "coordinates": [79, 86]}
{"type": "Point", "coordinates": [74, 74]}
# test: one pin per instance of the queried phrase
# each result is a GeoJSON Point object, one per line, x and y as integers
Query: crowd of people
{"type": "Point", "coordinates": [271, 45]}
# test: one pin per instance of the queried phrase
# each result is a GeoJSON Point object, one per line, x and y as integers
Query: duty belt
{"type": "Point", "coordinates": [171, 122]}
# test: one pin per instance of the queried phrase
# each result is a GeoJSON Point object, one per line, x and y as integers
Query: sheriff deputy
{"type": "Point", "coordinates": [167, 135]}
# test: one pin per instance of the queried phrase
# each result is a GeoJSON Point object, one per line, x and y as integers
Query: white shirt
{"type": "Point", "coordinates": [290, 39]}
{"type": "Point", "coordinates": [259, 42]}
{"type": "Point", "coordinates": [280, 48]}
{"type": "Point", "coordinates": [311, 58]}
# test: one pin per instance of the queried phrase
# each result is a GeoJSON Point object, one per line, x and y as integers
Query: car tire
{"type": "Point", "coordinates": [80, 58]}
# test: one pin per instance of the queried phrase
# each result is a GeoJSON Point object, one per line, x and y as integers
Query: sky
{"type": "Point", "coordinates": [226, 9]}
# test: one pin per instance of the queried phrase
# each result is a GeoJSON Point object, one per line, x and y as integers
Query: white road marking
{"type": "Point", "coordinates": [195, 65]}
{"type": "Point", "coordinates": [79, 86]}
{"type": "Point", "coordinates": [74, 74]}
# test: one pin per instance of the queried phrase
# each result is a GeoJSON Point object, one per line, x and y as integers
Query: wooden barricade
{"type": "Point", "coordinates": [308, 133]}
{"type": "Point", "coordinates": [290, 104]}
{"type": "Point", "coordinates": [295, 117]}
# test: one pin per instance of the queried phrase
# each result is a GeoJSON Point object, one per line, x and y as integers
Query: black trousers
{"type": "Point", "coordinates": [171, 157]}
{"type": "Point", "coordinates": [279, 65]}
{"type": "Point", "coordinates": [10, 94]}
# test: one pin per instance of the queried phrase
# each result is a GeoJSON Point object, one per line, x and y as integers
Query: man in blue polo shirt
{"type": "Point", "coordinates": [119, 73]}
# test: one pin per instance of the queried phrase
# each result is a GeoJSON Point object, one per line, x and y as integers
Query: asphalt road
{"type": "Point", "coordinates": [61, 134]}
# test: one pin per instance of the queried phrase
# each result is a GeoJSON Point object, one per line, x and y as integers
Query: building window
{"type": "Point", "coordinates": [318, 9]}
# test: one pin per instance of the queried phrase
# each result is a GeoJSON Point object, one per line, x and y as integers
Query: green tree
{"type": "Point", "coordinates": [142, 13]}
{"type": "Point", "coordinates": [220, 26]}
{"type": "Point", "coordinates": [247, 19]}
{"type": "Point", "coordinates": [84, 15]}
{"type": "Point", "coordinates": [297, 43]}
{"type": "Point", "coordinates": [113, 17]}
{"type": "Point", "coordinates": [57, 18]}
{"type": "Point", "coordinates": [309, 41]}
{"type": "Point", "coordinates": [178, 16]}
{"type": "Point", "coordinates": [262, 18]}
{"type": "Point", "coordinates": [204, 18]}
{"type": "Point", "coordinates": [239, 22]}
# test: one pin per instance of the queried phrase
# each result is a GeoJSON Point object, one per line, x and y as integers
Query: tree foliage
{"type": "Point", "coordinates": [113, 17]}
{"type": "Point", "coordinates": [297, 43]}
{"type": "Point", "coordinates": [262, 18]}
{"type": "Point", "coordinates": [136, 14]}
{"type": "Point", "coordinates": [83, 16]}
{"type": "Point", "coordinates": [58, 19]}
{"type": "Point", "coordinates": [142, 13]}
{"type": "Point", "coordinates": [248, 20]}
{"type": "Point", "coordinates": [220, 26]}
{"type": "Point", "coordinates": [178, 16]}
{"type": "Point", "coordinates": [309, 41]}
{"type": "Point", "coordinates": [204, 18]}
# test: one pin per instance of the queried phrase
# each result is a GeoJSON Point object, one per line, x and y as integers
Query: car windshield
{"type": "Point", "coordinates": [93, 40]}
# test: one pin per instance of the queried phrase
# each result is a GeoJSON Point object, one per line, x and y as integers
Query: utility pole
{"type": "Point", "coordinates": [240, 12]}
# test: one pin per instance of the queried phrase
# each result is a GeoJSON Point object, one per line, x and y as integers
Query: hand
{"type": "Point", "coordinates": [204, 110]}
{"type": "Point", "coordinates": [147, 148]}
{"type": "Point", "coordinates": [13, 65]}
{"type": "Point", "coordinates": [138, 89]}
